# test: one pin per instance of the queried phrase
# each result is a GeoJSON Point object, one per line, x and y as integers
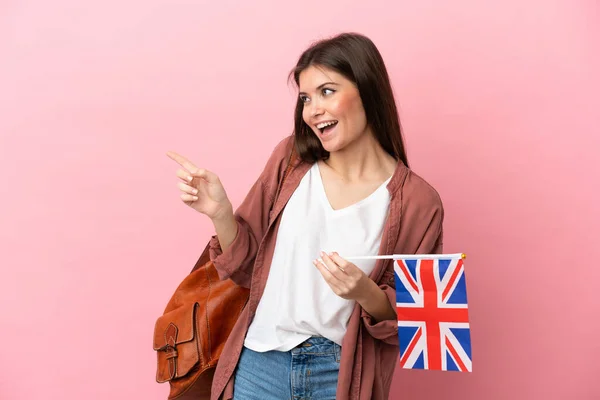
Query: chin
{"type": "Point", "coordinates": [332, 145]}
{"type": "Point", "coordinates": [336, 142]}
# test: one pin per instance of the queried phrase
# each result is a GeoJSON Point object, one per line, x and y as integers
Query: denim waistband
{"type": "Point", "coordinates": [317, 345]}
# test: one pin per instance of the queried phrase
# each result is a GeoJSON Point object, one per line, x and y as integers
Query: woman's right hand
{"type": "Point", "coordinates": [201, 189]}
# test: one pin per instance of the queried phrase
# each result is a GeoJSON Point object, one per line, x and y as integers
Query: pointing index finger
{"type": "Point", "coordinates": [181, 160]}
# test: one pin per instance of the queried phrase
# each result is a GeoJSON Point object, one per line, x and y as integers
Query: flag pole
{"type": "Point", "coordinates": [408, 257]}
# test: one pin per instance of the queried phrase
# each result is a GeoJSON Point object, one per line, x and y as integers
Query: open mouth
{"type": "Point", "coordinates": [326, 126]}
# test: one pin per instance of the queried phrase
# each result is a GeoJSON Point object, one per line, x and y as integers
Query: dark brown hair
{"type": "Point", "coordinates": [355, 57]}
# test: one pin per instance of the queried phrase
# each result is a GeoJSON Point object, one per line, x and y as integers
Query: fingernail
{"type": "Point", "coordinates": [195, 198]}
{"type": "Point", "coordinates": [190, 178]}
{"type": "Point", "coordinates": [195, 191]}
{"type": "Point", "coordinates": [331, 254]}
{"type": "Point", "coordinates": [322, 253]}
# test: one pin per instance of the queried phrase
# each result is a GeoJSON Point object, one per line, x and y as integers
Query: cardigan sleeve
{"type": "Point", "coordinates": [431, 243]}
{"type": "Point", "coordinates": [252, 217]}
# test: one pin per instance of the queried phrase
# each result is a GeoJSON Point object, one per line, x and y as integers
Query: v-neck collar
{"type": "Point", "coordinates": [316, 169]}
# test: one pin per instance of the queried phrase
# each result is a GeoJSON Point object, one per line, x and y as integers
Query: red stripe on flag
{"type": "Point", "coordinates": [457, 359]}
{"type": "Point", "coordinates": [411, 346]}
{"type": "Point", "coordinates": [433, 315]}
{"type": "Point", "coordinates": [452, 279]}
{"type": "Point", "coordinates": [408, 276]}
{"type": "Point", "coordinates": [434, 345]}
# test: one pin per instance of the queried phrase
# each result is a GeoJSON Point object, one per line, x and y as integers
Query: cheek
{"type": "Point", "coordinates": [358, 109]}
{"type": "Point", "coordinates": [306, 116]}
{"type": "Point", "coordinates": [340, 107]}
{"type": "Point", "coordinates": [354, 111]}
{"type": "Point", "coordinates": [349, 105]}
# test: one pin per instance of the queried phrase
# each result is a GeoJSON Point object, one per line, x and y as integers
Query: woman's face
{"type": "Point", "coordinates": [332, 107]}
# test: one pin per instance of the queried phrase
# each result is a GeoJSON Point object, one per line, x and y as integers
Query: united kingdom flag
{"type": "Point", "coordinates": [433, 321]}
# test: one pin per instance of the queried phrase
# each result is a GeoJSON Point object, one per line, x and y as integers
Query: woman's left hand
{"type": "Point", "coordinates": [345, 279]}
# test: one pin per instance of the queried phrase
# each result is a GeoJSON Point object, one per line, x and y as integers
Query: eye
{"type": "Point", "coordinates": [327, 91]}
{"type": "Point", "coordinates": [304, 99]}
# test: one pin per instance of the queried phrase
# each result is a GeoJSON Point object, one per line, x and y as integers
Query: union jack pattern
{"type": "Point", "coordinates": [433, 320]}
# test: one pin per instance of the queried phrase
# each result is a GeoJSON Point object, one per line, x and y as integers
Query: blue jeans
{"type": "Point", "coordinates": [309, 371]}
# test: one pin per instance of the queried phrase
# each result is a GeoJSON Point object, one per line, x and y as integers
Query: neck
{"type": "Point", "coordinates": [363, 158]}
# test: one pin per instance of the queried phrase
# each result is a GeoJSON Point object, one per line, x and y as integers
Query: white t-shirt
{"type": "Point", "coordinates": [297, 302]}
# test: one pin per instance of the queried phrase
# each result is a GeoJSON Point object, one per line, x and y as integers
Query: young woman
{"type": "Point", "coordinates": [317, 326]}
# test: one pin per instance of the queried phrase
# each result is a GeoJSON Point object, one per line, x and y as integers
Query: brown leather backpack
{"type": "Point", "coordinates": [190, 335]}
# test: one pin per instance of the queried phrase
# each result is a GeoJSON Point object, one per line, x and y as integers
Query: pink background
{"type": "Point", "coordinates": [499, 103]}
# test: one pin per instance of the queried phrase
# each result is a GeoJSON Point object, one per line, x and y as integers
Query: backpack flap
{"type": "Point", "coordinates": [175, 341]}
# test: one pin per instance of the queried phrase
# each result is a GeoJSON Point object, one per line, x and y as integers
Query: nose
{"type": "Point", "coordinates": [316, 108]}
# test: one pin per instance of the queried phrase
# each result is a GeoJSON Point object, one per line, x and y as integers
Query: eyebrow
{"type": "Point", "coordinates": [321, 85]}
